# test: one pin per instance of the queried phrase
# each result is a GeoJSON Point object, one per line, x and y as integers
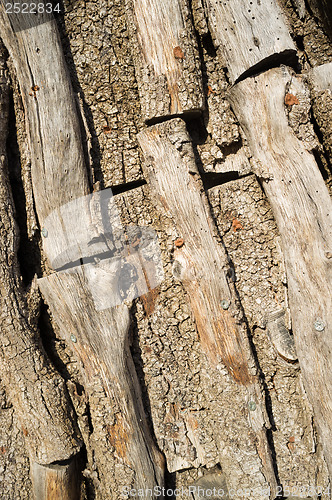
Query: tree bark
{"type": "Point", "coordinates": [209, 120]}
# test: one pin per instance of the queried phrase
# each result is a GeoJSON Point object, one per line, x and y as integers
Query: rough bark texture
{"type": "Point", "coordinates": [194, 414]}
{"type": "Point", "coordinates": [166, 57]}
{"type": "Point", "coordinates": [302, 208]}
{"type": "Point", "coordinates": [200, 263]}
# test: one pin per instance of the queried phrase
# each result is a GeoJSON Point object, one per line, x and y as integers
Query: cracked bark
{"type": "Point", "coordinates": [199, 414]}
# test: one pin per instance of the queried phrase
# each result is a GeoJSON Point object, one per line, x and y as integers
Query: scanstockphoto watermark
{"type": "Point", "coordinates": [159, 492]}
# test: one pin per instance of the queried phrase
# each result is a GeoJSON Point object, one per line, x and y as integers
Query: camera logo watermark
{"type": "Point", "coordinates": [119, 263]}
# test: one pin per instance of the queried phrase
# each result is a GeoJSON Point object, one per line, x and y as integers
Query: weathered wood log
{"type": "Point", "coordinates": [37, 392]}
{"type": "Point", "coordinates": [58, 168]}
{"type": "Point", "coordinates": [200, 262]}
{"type": "Point", "coordinates": [320, 82]}
{"type": "Point", "coordinates": [302, 208]}
{"type": "Point", "coordinates": [59, 176]}
{"type": "Point", "coordinates": [246, 40]}
{"type": "Point", "coordinates": [320, 78]}
{"type": "Point", "coordinates": [101, 344]}
{"type": "Point", "coordinates": [166, 57]}
{"type": "Point", "coordinates": [56, 481]}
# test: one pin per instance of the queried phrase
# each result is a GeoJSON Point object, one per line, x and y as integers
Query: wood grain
{"type": "Point", "coordinates": [166, 57]}
{"type": "Point", "coordinates": [37, 392]}
{"type": "Point", "coordinates": [59, 177]}
{"type": "Point", "coordinates": [320, 77]}
{"type": "Point", "coordinates": [56, 481]}
{"type": "Point", "coordinates": [200, 262]}
{"type": "Point", "coordinates": [58, 167]}
{"type": "Point", "coordinates": [302, 208]}
{"type": "Point", "coordinates": [246, 39]}
{"type": "Point", "coordinates": [100, 343]}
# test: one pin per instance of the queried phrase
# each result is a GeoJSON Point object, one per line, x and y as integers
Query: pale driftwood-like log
{"type": "Point", "coordinates": [58, 170]}
{"type": "Point", "coordinates": [58, 177]}
{"type": "Point", "coordinates": [166, 57]}
{"type": "Point", "coordinates": [199, 260]}
{"type": "Point", "coordinates": [302, 208]}
{"type": "Point", "coordinates": [249, 35]}
{"type": "Point", "coordinates": [201, 263]}
{"type": "Point", "coordinates": [56, 481]}
{"type": "Point", "coordinates": [100, 342]}
{"type": "Point", "coordinates": [37, 392]}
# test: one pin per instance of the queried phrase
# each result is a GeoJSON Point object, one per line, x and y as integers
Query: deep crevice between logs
{"type": "Point", "coordinates": [198, 135]}
{"type": "Point", "coordinates": [326, 170]}
{"type": "Point", "coordinates": [213, 179]}
{"type": "Point", "coordinates": [287, 57]}
{"type": "Point", "coordinates": [127, 186]}
{"type": "Point", "coordinates": [49, 339]}
{"type": "Point", "coordinates": [326, 24]}
{"type": "Point", "coordinates": [28, 254]}
{"type": "Point", "coordinates": [186, 115]}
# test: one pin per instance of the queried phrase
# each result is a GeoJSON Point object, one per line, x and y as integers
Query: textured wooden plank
{"type": "Point", "coordinates": [200, 262]}
{"type": "Point", "coordinates": [249, 34]}
{"type": "Point", "coordinates": [166, 57]}
{"type": "Point", "coordinates": [100, 343]}
{"type": "Point", "coordinates": [302, 209]}
{"type": "Point", "coordinates": [58, 167]}
{"type": "Point", "coordinates": [59, 176]}
{"type": "Point", "coordinates": [320, 82]}
{"type": "Point", "coordinates": [37, 392]}
{"type": "Point", "coordinates": [85, 227]}
{"type": "Point", "coordinates": [56, 481]}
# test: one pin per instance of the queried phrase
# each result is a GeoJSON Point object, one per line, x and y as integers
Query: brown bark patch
{"type": "Point", "coordinates": [118, 437]}
{"type": "Point", "coordinates": [178, 53]}
{"type": "Point", "coordinates": [236, 224]}
{"type": "Point", "coordinates": [291, 99]}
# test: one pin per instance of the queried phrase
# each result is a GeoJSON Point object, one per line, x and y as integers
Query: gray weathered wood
{"type": "Point", "coordinates": [58, 168]}
{"type": "Point", "coordinates": [86, 226]}
{"type": "Point", "coordinates": [249, 34]}
{"type": "Point", "coordinates": [302, 208]}
{"type": "Point", "coordinates": [56, 481]}
{"type": "Point", "coordinates": [200, 262]}
{"type": "Point", "coordinates": [166, 57]}
{"type": "Point", "coordinates": [37, 392]}
{"type": "Point", "coordinates": [100, 343]}
{"type": "Point", "coordinates": [59, 176]}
